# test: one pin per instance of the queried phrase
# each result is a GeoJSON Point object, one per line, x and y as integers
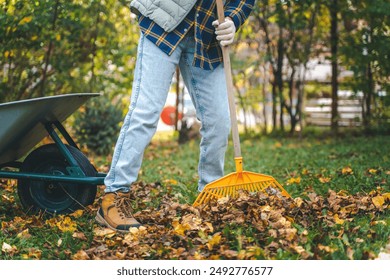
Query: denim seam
{"type": "Point", "coordinates": [132, 107]}
{"type": "Point", "coordinates": [204, 123]}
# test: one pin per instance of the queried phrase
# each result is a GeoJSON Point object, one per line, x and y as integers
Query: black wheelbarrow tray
{"type": "Point", "coordinates": [53, 178]}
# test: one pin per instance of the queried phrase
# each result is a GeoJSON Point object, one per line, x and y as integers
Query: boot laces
{"type": "Point", "coordinates": [123, 204]}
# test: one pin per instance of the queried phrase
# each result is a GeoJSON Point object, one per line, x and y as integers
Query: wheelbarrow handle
{"type": "Point", "coordinates": [229, 86]}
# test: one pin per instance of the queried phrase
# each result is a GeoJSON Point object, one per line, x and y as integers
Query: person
{"type": "Point", "coordinates": [190, 39]}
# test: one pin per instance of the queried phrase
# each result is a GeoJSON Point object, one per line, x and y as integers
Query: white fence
{"type": "Point", "coordinates": [350, 108]}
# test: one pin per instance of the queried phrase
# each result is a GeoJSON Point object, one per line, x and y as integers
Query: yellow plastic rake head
{"type": "Point", "coordinates": [230, 185]}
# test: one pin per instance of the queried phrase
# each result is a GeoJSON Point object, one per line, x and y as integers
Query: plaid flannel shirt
{"type": "Point", "coordinates": [208, 54]}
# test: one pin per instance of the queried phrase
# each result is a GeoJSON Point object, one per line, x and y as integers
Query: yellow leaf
{"type": "Point", "coordinates": [215, 240]}
{"type": "Point", "coordinates": [59, 242]}
{"type": "Point", "coordinates": [290, 233]}
{"type": "Point", "coordinates": [294, 180]}
{"type": "Point", "coordinates": [170, 182]}
{"type": "Point", "coordinates": [350, 253]}
{"type": "Point", "coordinates": [120, 256]}
{"type": "Point", "coordinates": [6, 248]}
{"type": "Point", "coordinates": [305, 171]}
{"type": "Point", "coordinates": [24, 234]}
{"type": "Point", "coordinates": [107, 232]}
{"type": "Point", "coordinates": [8, 199]}
{"type": "Point", "coordinates": [134, 230]}
{"type": "Point", "coordinates": [77, 213]}
{"type": "Point", "coordinates": [372, 171]}
{"type": "Point", "coordinates": [342, 193]}
{"type": "Point", "coordinates": [378, 201]}
{"type": "Point", "coordinates": [110, 242]}
{"type": "Point", "coordinates": [278, 145]}
{"type": "Point", "coordinates": [142, 230]}
{"type": "Point", "coordinates": [324, 180]}
{"type": "Point", "coordinates": [51, 222]}
{"type": "Point", "coordinates": [386, 196]}
{"type": "Point", "coordinates": [4, 225]}
{"type": "Point", "coordinates": [380, 222]}
{"type": "Point", "coordinates": [192, 221]}
{"type": "Point", "coordinates": [34, 38]}
{"type": "Point", "coordinates": [67, 225]}
{"type": "Point", "coordinates": [79, 235]}
{"type": "Point", "coordinates": [326, 248]}
{"type": "Point", "coordinates": [80, 255]}
{"type": "Point", "coordinates": [223, 200]}
{"type": "Point", "coordinates": [299, 249]}
{"type": "Point", "coordinates": [372, 192]}
{"type": "Point", "coordinates": [9, 186]}
{"type": "Point", "coordinates": [265, 208]}
{"type": "Point", "coordinates": [198, 256]}
{"type": "Point", "coordinates": [34, 253]}
{"type": "Point", "coordinates": [58, 37]}
{"type": "Point", "coordinates": [179, 228]}
{"type": "Point", "coordinates": [347, 171]}
{"type": "Point", "coordinates": [337, 220]}
{"type": "Point", "coordinates": [25, 20]}
{"type": "Point", "coordinates": [214, 257]}
{"type": "Point", "coordinates": [210, 226]}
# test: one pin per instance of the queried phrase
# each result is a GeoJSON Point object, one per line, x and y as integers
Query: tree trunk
{"type": "Point", "coordinates": [49, 50]}
{"type": "Point", "coordinates": [301, 92]}
{"type": "Point", "coordinates": [274, 110]}
{"type": "Point", "coordinates": [368, 97]}
{"type": "Point", "coordinates": [334, 52]}
{"type": "Point", "coordinates": [94, 50]}
{"type": "Point", "coordinates": [270, 60]}
{"type": "Point", "coordinates": [279, 76]}
{"type": "Point", "coordinates": [291, 108]}
{"type": "Point", "coordinates": [264, 92]}
{"type": "Point", "coordinates": [242, 103]}
{"type": "Point", "coordinates": [301, 86]}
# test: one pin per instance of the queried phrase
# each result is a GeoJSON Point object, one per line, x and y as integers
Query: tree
{"type": "Point", "coordinates": [334, 41]}
{"type": "Point", "coordinates": [289, 31]}
{"type": "Point", "coordinates": [366, 52]}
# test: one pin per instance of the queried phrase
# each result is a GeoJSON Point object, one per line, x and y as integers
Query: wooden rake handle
{"type": "Point", "coordinates": [229, 86]}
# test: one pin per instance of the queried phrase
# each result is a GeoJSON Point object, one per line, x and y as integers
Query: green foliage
{"type": "Point", "coordinates": [98, 125]}
{"type": "Point", "coordinates": [57, 47]}
{"type": "Point", "coordinates": [365, 51]}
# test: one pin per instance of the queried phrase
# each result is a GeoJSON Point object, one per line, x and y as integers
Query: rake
{"type": "Point", "coordinates": [231, 184]}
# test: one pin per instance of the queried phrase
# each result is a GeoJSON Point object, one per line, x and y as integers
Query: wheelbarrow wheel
{"type": "Point", "coordinates": [55, 197]}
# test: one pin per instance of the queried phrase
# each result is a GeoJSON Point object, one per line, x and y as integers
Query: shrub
{"type": "Point", "coordinates": [98, 125]}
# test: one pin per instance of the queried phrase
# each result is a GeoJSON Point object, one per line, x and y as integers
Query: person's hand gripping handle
{"type": "Point", "coordinates": [224, 29]}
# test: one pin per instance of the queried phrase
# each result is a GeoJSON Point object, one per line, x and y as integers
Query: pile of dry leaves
{"type": "Point", "coordinates": [251, 226]}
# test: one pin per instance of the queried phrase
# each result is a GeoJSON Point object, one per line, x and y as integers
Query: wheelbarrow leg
{"type": "Point", "coordinates": [74, 168]}
{"type": "Point", "coordinates": [65, 134]}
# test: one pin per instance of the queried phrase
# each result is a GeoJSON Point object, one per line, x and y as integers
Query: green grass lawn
{"type": "Point", "coordinates": [340, 190]}
{"type": "Point", "coordinates": [309, 159]}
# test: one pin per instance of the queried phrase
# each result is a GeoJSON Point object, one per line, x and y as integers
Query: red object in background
{"type": "Point", "coordinates": [168, 115]}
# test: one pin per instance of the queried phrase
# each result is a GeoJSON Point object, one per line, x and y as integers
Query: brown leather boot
{"type": "Point", "coordinates": [115, 212]}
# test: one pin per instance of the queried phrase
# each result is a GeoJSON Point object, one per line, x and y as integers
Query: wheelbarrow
{"type": "Point", "coordinates": [54, 178]}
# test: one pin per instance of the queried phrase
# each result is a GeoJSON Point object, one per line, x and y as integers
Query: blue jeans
{"type": "Point", "coordinates": [152, 80]}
